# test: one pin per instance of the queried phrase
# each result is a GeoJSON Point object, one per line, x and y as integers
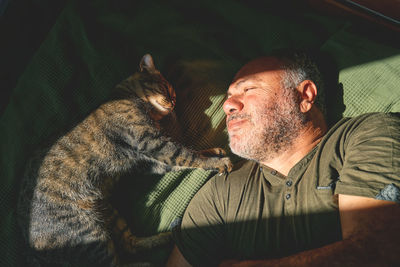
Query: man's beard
{"type": "Point", "coordinates": [274, 129]}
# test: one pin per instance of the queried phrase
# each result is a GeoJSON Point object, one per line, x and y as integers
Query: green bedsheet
{"type": "Point", "coordinates": [198, 46]}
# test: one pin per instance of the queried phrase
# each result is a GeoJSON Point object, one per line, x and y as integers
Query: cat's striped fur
{"type": "Point", "coordinates": [64, 209]}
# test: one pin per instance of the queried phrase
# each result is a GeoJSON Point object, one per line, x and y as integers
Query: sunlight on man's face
{"type": "Point", "coordinates": [262, 117]}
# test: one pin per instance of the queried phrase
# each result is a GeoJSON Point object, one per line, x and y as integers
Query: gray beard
{"type": "Point", "coordinates": [283, 123]}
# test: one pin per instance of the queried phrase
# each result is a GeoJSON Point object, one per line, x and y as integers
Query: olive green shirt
{"type": "Point", "coordinates": [256, 212]}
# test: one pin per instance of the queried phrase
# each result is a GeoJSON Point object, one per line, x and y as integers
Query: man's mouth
{"type": "Point", "coordinates": [235, 122]}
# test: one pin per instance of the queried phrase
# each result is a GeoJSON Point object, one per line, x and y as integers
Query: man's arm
{"type": "Point", "coordinates": [371, 237]}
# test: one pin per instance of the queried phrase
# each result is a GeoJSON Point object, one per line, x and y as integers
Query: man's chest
{"type": "Point", "coordinates": [275, 215]}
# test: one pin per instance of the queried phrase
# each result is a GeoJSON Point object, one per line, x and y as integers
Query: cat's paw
{"type": "Point", "coordinates": [212, 152]}
{"type": "Point", "coordinates": [225, 165]}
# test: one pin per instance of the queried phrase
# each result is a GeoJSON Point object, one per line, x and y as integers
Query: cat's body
{"type": "Point", "coordinates": [64, 209]}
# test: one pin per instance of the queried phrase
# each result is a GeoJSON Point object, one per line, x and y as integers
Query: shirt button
{"type": "Point", "coordinates": [289, 183]}
{"type": "Point", "coordinates": [288, 196]}
{"type": "Point", "coordinates": [274, 172]}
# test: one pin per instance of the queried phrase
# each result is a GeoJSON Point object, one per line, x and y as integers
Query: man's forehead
{"type": "Point", "coordinates": [242, 81]}
{"type": "Point", "coordinates": [257, 70]}
{"type": "Point", "coordinates": [259, 65]}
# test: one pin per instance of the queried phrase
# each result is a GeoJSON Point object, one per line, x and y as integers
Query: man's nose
{"type": "Point", "coordinates": [232, 105]}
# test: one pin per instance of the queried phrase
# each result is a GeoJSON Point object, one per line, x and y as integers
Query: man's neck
{"type": "Point", "coordinates": [308, 138]}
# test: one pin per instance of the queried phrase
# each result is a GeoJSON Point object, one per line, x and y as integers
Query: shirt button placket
{"type": "Point", "coordinates": [288, 194]}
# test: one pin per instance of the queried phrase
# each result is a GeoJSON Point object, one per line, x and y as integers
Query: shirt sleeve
{"type": "Point", "coordinates": [371, 157]}
{"type": "Point", "coordinates": [200, 237]}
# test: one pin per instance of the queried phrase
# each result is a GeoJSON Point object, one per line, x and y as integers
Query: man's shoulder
{"type": "Point", "coordinates": [216, 191]}
{"type": "Point", "coordinates": [369, 153]}
{"type": "Point", "coordinates": [378, 118]}
{"type": "Point", "coordinates": [377, 123]}
{"type": "Point", "coordinates": [242, 170]}
{"type": "Point", "coordinates": [243, 165]}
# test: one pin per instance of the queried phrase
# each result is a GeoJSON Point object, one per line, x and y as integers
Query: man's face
{"type": "Point", "coordinates": [262, 117]}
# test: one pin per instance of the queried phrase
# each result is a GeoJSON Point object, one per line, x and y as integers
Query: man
{"type": "Point", "coordinates": [307, 196]}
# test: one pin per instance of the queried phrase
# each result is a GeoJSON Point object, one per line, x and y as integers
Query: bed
{"type": "Point", "coordinates": [74, 52]}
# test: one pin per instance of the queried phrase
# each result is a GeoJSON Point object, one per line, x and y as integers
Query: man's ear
{"type": "Point", "coordinates": [308, 93]}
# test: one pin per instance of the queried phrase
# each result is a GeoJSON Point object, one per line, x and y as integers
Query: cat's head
{"type": "Point", "coordinates": [153, 88]}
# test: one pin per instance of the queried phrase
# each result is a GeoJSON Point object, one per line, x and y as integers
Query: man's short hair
{"type": "Point", "coordinates": [301, 65]}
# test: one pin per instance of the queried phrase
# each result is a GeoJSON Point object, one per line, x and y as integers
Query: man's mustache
{"type": "Point", "coordinates": [238, 116]}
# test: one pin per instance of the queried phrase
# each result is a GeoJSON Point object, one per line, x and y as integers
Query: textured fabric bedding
{"type": "Point", "coordinates": [198, 47]}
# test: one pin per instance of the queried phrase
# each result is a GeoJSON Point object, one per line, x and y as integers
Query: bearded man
{"type": "Point", "coordinates": [305, 195]}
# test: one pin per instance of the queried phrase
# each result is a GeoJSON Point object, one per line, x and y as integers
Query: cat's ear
{"type": "Point", "coordinates": [147, 64]}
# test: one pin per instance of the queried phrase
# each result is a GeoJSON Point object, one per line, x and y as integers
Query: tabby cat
{"type": "Point", "coordinates": [64, 208]}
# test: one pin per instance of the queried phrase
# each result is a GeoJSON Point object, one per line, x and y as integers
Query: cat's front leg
{"type": "Point", "coordinates": [220, 154]}
{"type": "Point", "coordinates": [180, 156]}
{"type": "Point", "coordinates": [149, 143]}
{"type": "Point", "coordinates": [214, 159]}
{"type": "Point", "coordinates": [212, 152]}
